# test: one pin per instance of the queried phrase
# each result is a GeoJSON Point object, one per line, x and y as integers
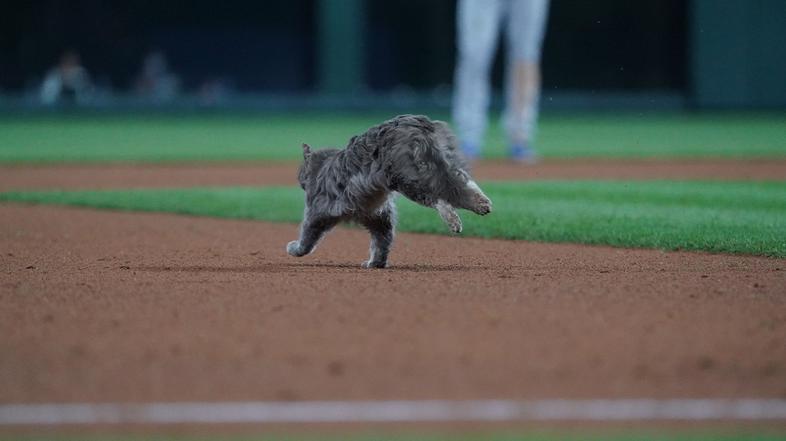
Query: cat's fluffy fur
{"type": "Point", "coordinates": [409, 154]}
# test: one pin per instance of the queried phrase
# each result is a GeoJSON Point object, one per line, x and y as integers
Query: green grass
{"type": "Point", "coordinates": [277, 137]}
{"type": "Point", "coordinates": [729, 217]}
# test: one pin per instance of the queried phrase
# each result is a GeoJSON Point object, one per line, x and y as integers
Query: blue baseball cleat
{"type": "Point", "coordinates": [523, 153]}
{"type": "Point", "coordinates": [471, 151]}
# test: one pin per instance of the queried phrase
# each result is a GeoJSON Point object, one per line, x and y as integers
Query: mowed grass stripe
{"type": "Point", "coordinates": [728, 217]}
{"type": "Point", "coordinates": [277, 137]}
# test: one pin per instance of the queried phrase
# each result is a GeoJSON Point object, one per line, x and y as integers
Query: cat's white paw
{"type": "Point", "coordinates": [293, 248]}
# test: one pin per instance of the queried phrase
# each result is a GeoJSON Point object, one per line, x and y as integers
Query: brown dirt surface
{"type": "Point", "coordinates": [110, 306]}
{"type": "Point", "coordinates": [189, 175]}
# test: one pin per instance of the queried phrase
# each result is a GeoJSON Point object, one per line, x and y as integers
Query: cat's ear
{"type": "Point", "coordinates": [306, 151]}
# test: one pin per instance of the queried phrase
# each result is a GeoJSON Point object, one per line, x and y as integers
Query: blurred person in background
{"type": "Point", "coordinates": [214, 90]}
{"type": "Point", "coordinates": [156, 81]}
{"type": "Point", "coordinates": [67, 82]}
{"type": "Point", "coordinates": [478, 27]}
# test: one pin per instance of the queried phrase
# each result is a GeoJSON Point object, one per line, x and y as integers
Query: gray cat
{"type": "Point", "coordinates": [408, 154]}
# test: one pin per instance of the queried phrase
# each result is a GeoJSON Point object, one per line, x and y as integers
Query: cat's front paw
{"type": "Point", "coordinates": [293, 248]}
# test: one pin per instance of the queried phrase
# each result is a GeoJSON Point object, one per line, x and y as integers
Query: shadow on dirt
{"type": "Point", "coordinates": [304, 267]}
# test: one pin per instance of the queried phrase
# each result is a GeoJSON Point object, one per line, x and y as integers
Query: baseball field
{"type": "Point", "coordinates": [631, 285]}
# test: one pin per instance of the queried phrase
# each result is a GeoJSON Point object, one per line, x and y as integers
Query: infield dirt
{"type": "Point", "coordinates": [107, 306]}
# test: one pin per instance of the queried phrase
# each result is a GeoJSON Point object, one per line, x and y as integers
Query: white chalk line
{"type": "Point", "coordinates": [393, 411]}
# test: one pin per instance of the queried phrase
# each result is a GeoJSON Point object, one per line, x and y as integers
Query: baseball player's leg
{"type": "Point", "coordinates": [525, 29]}
{"type": "Point", "coordinates": [478, 23]}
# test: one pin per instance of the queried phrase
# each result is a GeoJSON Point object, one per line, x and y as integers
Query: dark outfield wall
{"type": "Point", "coordinates": [713, 52]}
{"type": "Point", "coordinates": [739, 53]}
{"type": "Point", "coordinates": [273, 45]}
